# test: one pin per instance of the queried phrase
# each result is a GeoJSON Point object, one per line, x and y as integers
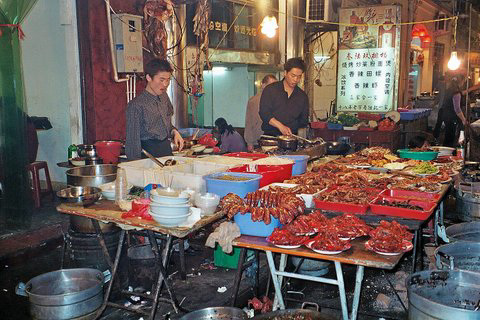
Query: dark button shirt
{"type": "Point", "coordinates": [148, 117]}
{"type": "Point", "coordinates": [291, 111]}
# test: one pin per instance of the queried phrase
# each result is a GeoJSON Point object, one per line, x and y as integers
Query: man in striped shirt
{"type": "Point", "coordinates": [149, 115]}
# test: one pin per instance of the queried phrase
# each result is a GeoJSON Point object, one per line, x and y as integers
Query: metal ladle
{"type": "Point", "coordinates": [152, 158]}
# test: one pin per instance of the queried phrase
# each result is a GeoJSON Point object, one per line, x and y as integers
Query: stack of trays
{"type": "Point", "coordinates": [170, 208]}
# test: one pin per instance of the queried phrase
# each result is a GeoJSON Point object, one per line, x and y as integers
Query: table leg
{"type": "Point", "coordinates": [341, 289]}
{"type": "Point", "coordinates": [238, 276]}
{"type": "Point", "coordinates": [281, 268]}
{"type": "Point", "coordinates": [357, 292]}
{"type": "Point", "coordinates": [415, 249]}
{"type": "Point", "coordinates": [435, 223]}
{"type": "Point", "coordinates": [101, 240]}
{"type": "Point", "coordinates": [276, 284]}
{"type": "Point", "coordinates": [114, 272]}
{"type": "Point", "coordinates": [181, 255]}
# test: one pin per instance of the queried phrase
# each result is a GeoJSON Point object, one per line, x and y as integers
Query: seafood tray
{"type": "Point", "coordinates": [344, 206]}
{"type": "Point", "coordinates": [424, 214]}
{"type": "Point", "coordinates": [413, 195]}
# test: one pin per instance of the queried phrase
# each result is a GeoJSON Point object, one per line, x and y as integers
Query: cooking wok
{"type": "Point", "coordinates": [293, 314]}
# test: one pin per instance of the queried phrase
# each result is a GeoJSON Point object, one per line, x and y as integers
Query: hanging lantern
{"type": "Point", "coordinates": [453, 63]}
{"type": "Point", "coordinates": [422, 33]}
{"type": "Point", "coordinates": [269, 26]}
{"type": "Point", "coordinates": [427, 39]}
{"type": "Point", "coordinates": [415, 34]}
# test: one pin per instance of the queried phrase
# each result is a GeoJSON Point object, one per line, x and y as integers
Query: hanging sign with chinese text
{"type": "Point", "coordinates": [368, 59]}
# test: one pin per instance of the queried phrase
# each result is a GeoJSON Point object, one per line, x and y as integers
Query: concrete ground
{"type": "Point", "coordinates": [28, 252]}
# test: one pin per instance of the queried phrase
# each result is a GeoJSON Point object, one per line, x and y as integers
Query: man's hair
{"type": "Point", "coordinates": [155, 66]}
{"type": "Point", "coordinates": [268, 77]}
{"type": "Point", "coordinates": [295, 63]}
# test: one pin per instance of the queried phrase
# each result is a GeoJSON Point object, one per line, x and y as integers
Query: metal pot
{"type": "Point", "coordinates": [267, 142]}
{"type": "Point", "coordinates": [64, 294]}
{"type": "Point", "coordinates": [462, 255]}
{"type": "Point", "coordinates": [287, 142]}
{"type": "Point", "coordinates": [467, 204]}
{"type": "Point", "coordinates": [337, 148]}
{"type": "Point", "coordinates": [92, 176]}
{"type": "Point", "coordinates": [467, 231]}
{"type": "Point", "coordinates": [443, 295]}
{"type": "Point", "coordinates": [188, 143]}
{"type": "Point", "coordinates": [93, 161]}
{"type": "Point", "coordinates": [81, 224]}
{"type": "Point", "coordinates": [86, 150]}
{"type": "Point", "coordinates": [216, 313]}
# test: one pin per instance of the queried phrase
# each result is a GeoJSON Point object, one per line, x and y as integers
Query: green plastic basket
{"type": "Point", "coordinates": [417, 155]}
{"type": "Point", "coordinates": [228, 261]}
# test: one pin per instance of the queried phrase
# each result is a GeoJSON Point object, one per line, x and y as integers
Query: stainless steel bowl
{"type": "Point", "coordinates": [92, 176]}
{"type": "Point", "coordinates": [80, 195]}
{"type": "Point", "coordinates": [93, 160]}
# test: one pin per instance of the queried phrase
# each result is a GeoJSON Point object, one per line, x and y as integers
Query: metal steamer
{"type": "Point", "coordinates": [216, 313]}
{"type": "Point", "coordinates": [467, 231]}
{"type": "Point", "coordinates": [445, 294]}
{"type": "Point", "coordinates": [462, 255]}
{"type": "Point", "coordinates": [64, 294]}
{"type": "Point", "coordinates": [467, 203]}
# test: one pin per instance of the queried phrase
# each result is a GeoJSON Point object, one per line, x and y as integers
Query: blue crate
{"type": "Point", "coordinates": [300, 165]}
{"type": "Point", "coordinates": [334, 126]}
{"type": "Point", "coordinates": [224, 187]}
{"type": "Point", "coordinates": [257, 228]}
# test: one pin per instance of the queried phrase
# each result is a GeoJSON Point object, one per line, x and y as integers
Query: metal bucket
{"type": "Point", "coordinates": [216, 313]}
{"type": "Point", "coordinates": [467, 231]}
{"type": "Point", "coordinates": [141, 266]}
{"type": "Point", "coordinates": [92, 176]}
{"type": "Point", "coordinates": [467, 205]}
{"type": "Point", "coordinates": [64, 294]}
{"type": "Point", "coordinates": [444, 295]}
{"type": "Point", "coordinates": [462, 255]}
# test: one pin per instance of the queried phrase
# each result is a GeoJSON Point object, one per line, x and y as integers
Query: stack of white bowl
{"type": "Point", "coordinates": [443, 151]}
{"type": "Point", "coordinates": [169, 207]}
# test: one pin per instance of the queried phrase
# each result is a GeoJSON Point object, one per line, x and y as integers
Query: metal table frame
{"type": "Point", "coordinates": [259, 243]}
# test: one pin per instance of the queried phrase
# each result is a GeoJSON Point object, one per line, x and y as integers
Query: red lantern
{"type": "Point", "coordinates": [427, 39]}
{"type": "Point", "coordinates": [415, 34]}
{"type": "Point", "coordinates": [422, 33]}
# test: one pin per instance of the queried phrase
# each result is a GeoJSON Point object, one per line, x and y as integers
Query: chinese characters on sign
{"type": "Point", "coordinates": [223, 26]}
{"type": "Point", "coordinates": [367, 60]}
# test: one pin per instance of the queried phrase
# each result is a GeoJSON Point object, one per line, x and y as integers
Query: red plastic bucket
{"type": "Point", "coordinates": [270, 173]}
{"type": "Point", "coordinates": [109, 150]}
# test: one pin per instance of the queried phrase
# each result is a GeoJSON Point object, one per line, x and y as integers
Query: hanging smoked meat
{"type": "Point", "coordinates": [156, 14]}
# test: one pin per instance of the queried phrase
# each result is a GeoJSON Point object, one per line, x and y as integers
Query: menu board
{"type": "Point", "coordinates": [368, 59]}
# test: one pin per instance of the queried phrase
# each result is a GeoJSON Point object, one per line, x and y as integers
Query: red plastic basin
{"type": "Point", "coordinates": [109, 150]}
{"type": "Point", "coordinates": [270, 173]}
{"type": "Point", "coordinates": [247, 155]}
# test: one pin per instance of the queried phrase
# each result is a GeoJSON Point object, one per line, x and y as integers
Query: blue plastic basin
{"type": "Point", "coordinates": [224, 187]}
{"type": "Point", "coordinates": [257, 228]}
{"type": "Point", "coordinates": [300, 165]}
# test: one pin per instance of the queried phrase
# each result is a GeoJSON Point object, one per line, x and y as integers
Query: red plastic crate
{"type": "Point", "coordinates": [411, 195]}
{"type": "Point", "coordinates": [428, 208]}
{"type": "Point", "coordinates": [344, 206]}
{"type": "Point", "coordinates": [247, 155]}
{"type": "Point", "coordinates": [366, 129]}
{"type": "Point", "coordinates": [318, 125]}
{"type": "Point", "coordinates": [270, 173]}
{"type": "Point", "coordinates": [369, 116]}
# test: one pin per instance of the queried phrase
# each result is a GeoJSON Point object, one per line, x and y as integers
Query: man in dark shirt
{"type": "Point", "coordinates": [149, 115]}
{"type": "Point", "coordinates": [283, 105]}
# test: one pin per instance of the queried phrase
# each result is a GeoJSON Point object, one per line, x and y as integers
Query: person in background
{"type": "Point", "coordinates": [283, 105]}
{"type": "Point", "coordinates": [230, 140]}
{"type": "Point", "coordinates": [451, 112]}
{"type": "Point", "coordinates": [253, 122]}
{"type": "Point", "coordinates": [418, 142]}
{"type": "Point", "coordinates": [440, 98]}
{"type": "Point", "coordinates": [149, 115]}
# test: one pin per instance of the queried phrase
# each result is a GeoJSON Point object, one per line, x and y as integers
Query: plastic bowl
{"type": "Point", "coordinates": [168, 220]}
{"type": "Point", "coordinates": [208, 202]}
{"type": "Point", "coordinates": [108, 190]}
{"type": "Point", "coordinates": [157, 196]}
{"type": "Point", "coordinates": [169, 210]}
{"type": "Point", "coordinates": [417, 155]}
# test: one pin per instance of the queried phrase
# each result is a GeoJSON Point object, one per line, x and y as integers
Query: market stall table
{"type": "Point", "coordinates": [108, 211]}
{"type": "Point", "coordinates": [356, 255]}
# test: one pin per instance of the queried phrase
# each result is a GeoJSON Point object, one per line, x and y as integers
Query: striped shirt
{"type": "Point", "coordinates": [148, 117]}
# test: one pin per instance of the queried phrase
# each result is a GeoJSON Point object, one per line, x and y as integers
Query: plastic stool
{"type": "Point", "coordinates": [34, 169]}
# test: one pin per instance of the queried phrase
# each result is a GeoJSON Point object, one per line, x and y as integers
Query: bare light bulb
{"type": "Point", "coordinates": [269, 26]}
{"type": "Point", "coordinates": [453, 63]}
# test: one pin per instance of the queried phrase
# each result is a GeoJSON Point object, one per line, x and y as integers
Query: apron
{"type": "Point", "coordinates": [157, 148]}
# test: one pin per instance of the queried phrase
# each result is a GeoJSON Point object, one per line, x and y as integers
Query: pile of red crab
{"type": "Point", "coordinates": [263, 204]}
{"type": "Point", "coordinates": [389, 237]}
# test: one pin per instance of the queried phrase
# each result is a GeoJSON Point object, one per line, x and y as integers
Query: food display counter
{"type": "Point", "coordinates": [387, 139]}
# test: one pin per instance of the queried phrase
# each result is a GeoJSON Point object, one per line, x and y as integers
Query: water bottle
{"type": "Point", "coordinates": [72, 151]}
{"type": "Point", "coordinates": [121, 185]}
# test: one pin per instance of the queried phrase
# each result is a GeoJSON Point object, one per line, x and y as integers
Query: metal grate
{"type": "Point", "coordinates": [315, 10]}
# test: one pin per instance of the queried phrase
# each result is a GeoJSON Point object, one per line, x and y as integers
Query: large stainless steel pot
{"type": "Point", "coordinates": [462, 255]}
{"type": "Point", "coordinates": [216, 313]}
{"type": "Point", "coordinates": [64, 294]}
{"type": "Point", "coordinates": [443, 295]}
{"type": "Point", "coordinates": [92, 176]}
{"type": "Point", "coordinates": [467, 231]}
{"type": "Point", "coordinates": [81, 224]}
{"type": "Point", "coordinates": [467, 204]}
